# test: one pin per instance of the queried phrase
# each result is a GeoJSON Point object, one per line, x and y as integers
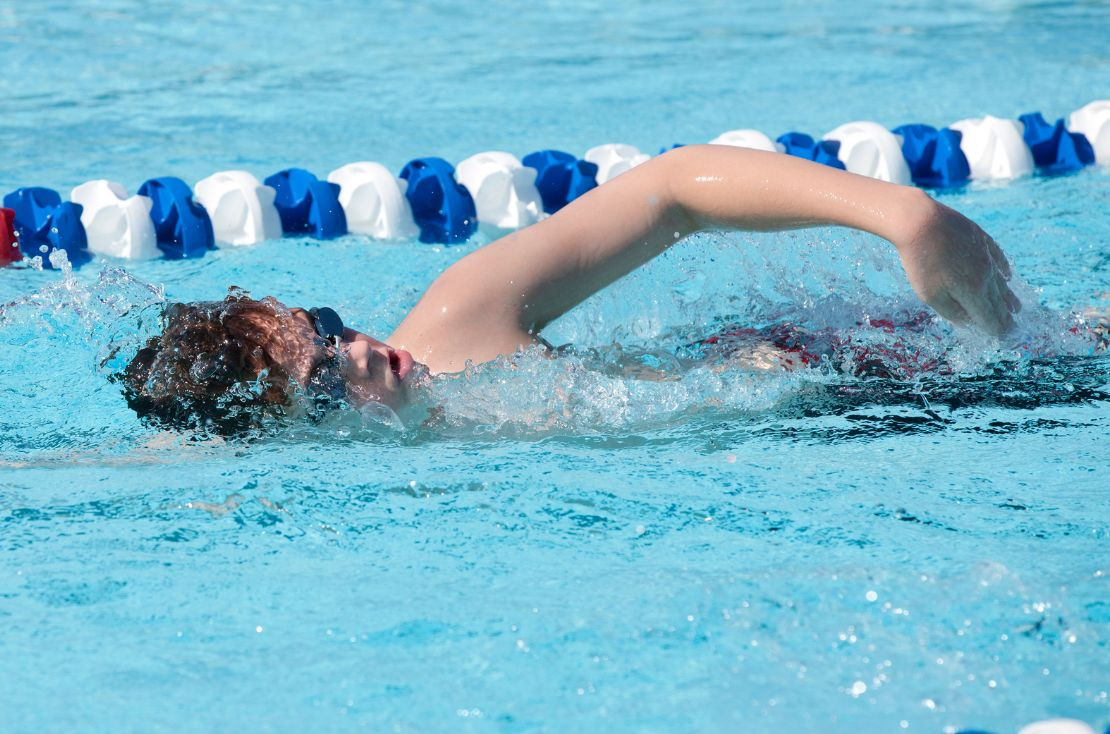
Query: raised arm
{"type": "Point", "coordinates": [495, 299]}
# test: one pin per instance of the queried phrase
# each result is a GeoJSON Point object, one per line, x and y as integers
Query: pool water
{"type": "Point", "coordinates": [566, 547]}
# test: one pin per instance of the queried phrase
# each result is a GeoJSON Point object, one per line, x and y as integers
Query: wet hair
{"type": "Point", "coordinates": [213, 368]}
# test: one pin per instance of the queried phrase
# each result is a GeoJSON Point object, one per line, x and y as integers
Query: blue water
{"type": "Point", "coordinates": [567, 548]}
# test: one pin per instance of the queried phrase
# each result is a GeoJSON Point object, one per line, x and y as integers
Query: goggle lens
{"type": "Point", "coordinates": [327, 323]}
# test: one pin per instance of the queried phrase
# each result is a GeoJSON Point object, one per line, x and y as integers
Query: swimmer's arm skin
{"type": "Point", "coordinates": [498, 298]}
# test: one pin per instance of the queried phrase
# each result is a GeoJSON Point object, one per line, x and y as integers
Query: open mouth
{"type": "Point", "coordinates": [400, 362]}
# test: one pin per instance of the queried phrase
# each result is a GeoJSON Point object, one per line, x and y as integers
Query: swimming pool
{"type": "Point", "coordinates": [571, 549]}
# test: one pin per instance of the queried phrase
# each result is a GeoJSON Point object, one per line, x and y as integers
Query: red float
{"type": "Point", "coordinates": [9, 245]}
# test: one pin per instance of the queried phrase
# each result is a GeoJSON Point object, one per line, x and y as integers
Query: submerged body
{"type": "Point", "coordinates": [892, 348]}
{"type": "Point", "coordinates": [497, 300]}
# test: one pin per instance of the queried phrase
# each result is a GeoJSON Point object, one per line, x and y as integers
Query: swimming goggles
{"type": "Point", "coordinates": [326, 382]}
{"type": "Point", "coordinates": [327, 324]}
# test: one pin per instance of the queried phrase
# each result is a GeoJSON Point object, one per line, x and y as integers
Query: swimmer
{"type": "Point", "coordinates": [224, 362]}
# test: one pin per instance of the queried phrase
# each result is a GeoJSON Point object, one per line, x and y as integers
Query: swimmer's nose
{"type": "Point", "coordinates": [377, 357]}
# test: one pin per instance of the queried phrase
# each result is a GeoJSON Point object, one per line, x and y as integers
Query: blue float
{"type": "Point", "coordinates": [441, 207]}
{"type": "Point", "coordinates": [934, 156]}
{"type": "Point", "coordinates": [1055, 150]}
{"type": "Point", "coordinates": [803, 146]}
{"type": "Point", "coordinates": [307, 205]}
{"type": "Point", "coordinates": [560, 177]}
{"type": "Point", "coordinates": [670, 147]}
{"type": "Point", "coordinates": [182, 226]}
{"type": "Point", "coordinates": [44, 223]}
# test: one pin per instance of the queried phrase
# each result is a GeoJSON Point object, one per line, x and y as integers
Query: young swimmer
{"type": "Point", "coordinates": [222, 363]}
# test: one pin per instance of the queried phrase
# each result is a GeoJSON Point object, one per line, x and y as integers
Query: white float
{"type": "Point", "coordinates": [994, 147]}
{"type": "Point", "coordinates": [374, 201]}
{"type": "Point", "coordinates": [1093, 122]}
{"type": "Point", "coordinates": [613, 159]}
{"type": "Point", "coordinates": [115, 224]}
{"type": "Point", "coordinates": [241, 208]}
{"type": "Point", "coordinates": [1057, 726]}
{"type": "Point", "coordinates": [747, 139]}
{"type": "Point", "coordinates": [504, 190]}
{"type": "Point", "coordinates": [869, 149]}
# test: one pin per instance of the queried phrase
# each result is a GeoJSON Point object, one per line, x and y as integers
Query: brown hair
{"type": "Point", "coordinates": [212, 368]}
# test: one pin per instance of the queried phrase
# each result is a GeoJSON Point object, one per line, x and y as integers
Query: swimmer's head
{"type": "Point", "coordinates": [226, 366]}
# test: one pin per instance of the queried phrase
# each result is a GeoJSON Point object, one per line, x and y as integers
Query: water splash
{"type": "Point", "coordinates": [110, 314]}
{"type": "Point", "coordinates": [60, 344]}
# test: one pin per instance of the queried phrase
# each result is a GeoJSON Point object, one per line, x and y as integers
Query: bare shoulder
{"type": "Point", "coordinates": [471, 312]}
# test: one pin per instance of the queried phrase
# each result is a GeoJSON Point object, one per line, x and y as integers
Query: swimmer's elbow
{"type": "Point", "coordinates": [710, 186]}
{"type": "Point", "coordinates": [675, 171]}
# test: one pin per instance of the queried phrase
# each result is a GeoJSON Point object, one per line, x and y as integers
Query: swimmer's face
{"type": "Point", "coordinates": [370, 370]}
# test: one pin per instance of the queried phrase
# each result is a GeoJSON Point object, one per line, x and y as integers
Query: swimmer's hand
{"type": "Point", "coordinates": [957, 269]}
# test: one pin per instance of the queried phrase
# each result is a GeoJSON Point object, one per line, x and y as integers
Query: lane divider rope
{"type": "Point", "coordinates": [495, 191]}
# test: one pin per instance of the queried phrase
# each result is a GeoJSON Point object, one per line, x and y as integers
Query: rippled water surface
{"type": "Point", "coordinates": [566, 546]}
